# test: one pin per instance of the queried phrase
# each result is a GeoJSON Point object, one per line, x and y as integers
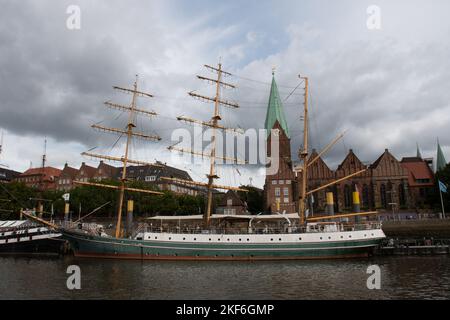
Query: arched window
{"type": "Point", "coordinates": [347, 196]}
{"type": "Point", "coordinates": [383, 196]}
{"type": "Point", "coordinates": [365, 196]}
{"type": "Point", "coordinates": [390, 193]}
{"type": "Point", "coordinates": [401, 194]}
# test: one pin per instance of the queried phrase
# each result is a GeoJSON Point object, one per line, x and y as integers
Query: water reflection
{"type": "Point", "coordinates": [402, 278]}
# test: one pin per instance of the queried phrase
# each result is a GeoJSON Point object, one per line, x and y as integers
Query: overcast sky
{"type": "Point", "coordinates": [389, 87]}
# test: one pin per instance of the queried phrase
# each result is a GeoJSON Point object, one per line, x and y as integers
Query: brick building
{"type": "Point", "coordinates": [421, 180]}
{"type": "Point", "coordinates": [153, 175]}
{"type": "Point", "coordinates": [279, 187]}
{"type": "Point", "coordinates": [65, 180]}
{"type": "Point", "coordinates": [387, 183]}
{"type": "Point", "coordinates": [40, 178]}
{"type": "Point", "coordinates": [85, 173]}
{"type": "Point", "coordinates": [231, 204]}
{"type": "Point", "coordinates": [7, 175]}
{"type": "Point", "coordinates": [105, 172]}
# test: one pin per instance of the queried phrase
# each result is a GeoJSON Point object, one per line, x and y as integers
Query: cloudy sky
{"type": "Point", "coordinates": [388, 87]}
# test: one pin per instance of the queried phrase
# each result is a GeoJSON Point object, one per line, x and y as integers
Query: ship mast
{"type": "Point", "coordinates": [132, 110]}
{"type": "Point", "coordinates": [214, 124]}
{"type": "Point", "coordinates": [130, 127]}
{"type": "Point", "coordinates": [304, 156]}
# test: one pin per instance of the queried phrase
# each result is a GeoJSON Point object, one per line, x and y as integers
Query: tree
{"type": "Point", "coordinates": [254, 198]}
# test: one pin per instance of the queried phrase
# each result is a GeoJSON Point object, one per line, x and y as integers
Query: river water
{"type": "Point", "coordinates": [401, 278]}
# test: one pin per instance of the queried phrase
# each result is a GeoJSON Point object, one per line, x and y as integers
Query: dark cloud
{"type": "Point", "coordinates": [389, 91]}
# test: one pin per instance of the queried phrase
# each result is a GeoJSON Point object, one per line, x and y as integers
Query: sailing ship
{"type": "Point", "coordinates": [29, 238]}
{"type": "Point", "coordinates": [307, 238]}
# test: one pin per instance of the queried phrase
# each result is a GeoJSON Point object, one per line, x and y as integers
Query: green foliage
{"type": "Point", "coordinates": [434, 197]}
{"type": "Point", "coordinates": [254, 198]}
{"type": "Point", "coordinates": [91, 197]}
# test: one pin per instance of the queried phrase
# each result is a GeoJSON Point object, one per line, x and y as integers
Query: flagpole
{"type": "Point", "coordinates": [442, 203]}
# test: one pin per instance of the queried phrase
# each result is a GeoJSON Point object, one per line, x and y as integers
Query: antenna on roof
{"type": "Point", "coordinates": [1, 149]}
{"type": "Point", "coordinates": [1, 144]}
{"type": "Point", "coordinates": [44, 156]}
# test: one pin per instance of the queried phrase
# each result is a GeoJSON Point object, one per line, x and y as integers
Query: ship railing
{"type": "Point", "coordinates": [338, 227]}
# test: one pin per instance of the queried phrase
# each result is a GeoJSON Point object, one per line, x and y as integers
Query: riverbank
{"type": "Point", "coordinates": [427, 228]}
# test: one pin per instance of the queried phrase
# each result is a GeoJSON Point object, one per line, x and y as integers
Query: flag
{"type": "Point", "coordinates": [442, 186]}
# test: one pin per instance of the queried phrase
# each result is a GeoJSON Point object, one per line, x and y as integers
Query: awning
{"type": "Point", "coordinates": [228, 216]}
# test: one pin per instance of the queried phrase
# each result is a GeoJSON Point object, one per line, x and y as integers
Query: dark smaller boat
{"type": "Point", "coordinates": [29, 238]}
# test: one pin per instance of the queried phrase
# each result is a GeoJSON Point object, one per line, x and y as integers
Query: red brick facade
{"type": "Point", "coordinates": [280, 187]}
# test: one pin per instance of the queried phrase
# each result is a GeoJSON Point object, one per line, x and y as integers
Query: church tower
{"type": "Point", "coordinates": [279, 185]}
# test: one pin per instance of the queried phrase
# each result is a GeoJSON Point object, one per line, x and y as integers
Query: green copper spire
{"type": "Point", "coordinates": [418, 155]}
{"type": "Point", "coordinates": [440, 160]}
{"type": "Point", "coordinates": [275, 110]}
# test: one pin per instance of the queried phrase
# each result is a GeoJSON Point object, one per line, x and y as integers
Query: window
{"type": "Point", "coordinates": [229, 202]}
{"type": "Point", "coordinates": [383, 196]}
{"type": "Point", "coordinates": [277, 192]}
{"type": "Point", "coordinates": [288, 181]}
{"type": "Point", "coordinates": [286, 191]}
{"type": "Point", "coordinates": [365, 196]}
{"type": "Point", "coordinates": [229, 211]}
{"type": "Point", "coordinates": [150, 178]}
{"type": "Point", "coordinates": [401, 194]}
{"type": "Point", "coordinates": [347, 196]}
{"type": "Point", "coordinates": [281, 182]}
{"type": "Point", "coordinates": [286, 200]}
{"type": "Point", "coordinates": [274, 181]}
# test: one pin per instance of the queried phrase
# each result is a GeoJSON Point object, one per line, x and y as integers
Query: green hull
{"type": "Point", "coordinates": [101, 247]}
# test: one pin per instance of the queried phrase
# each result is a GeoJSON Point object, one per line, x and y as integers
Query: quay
{"type": "Point", "coordinates": [414, 247]}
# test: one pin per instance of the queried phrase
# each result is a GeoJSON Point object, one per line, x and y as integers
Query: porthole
{"type": "Point", "coordinates": [209, 239]}
{"type": "Point", "coordinates": [184, 238]}
{"type": "Point", "coordinates": [271, 239]}
{"type": "Point", "coordinates": [170, 238]}
{"type": "Point", "coordinates": [248, 239]}
{"type": "Point", "coordinates": [349, 236]}
{"type": "Point", "coordinates": [228, 239]}
{"type": "Point", "coordinates": [342, 237]}
{"type": "Point", "coordinates": [195, 239]}
{"type": "Point", "coordinates": [320, 238]}
{"type": "Point", "coordinates": [300, 239]}
{"type": "Point", "coordinates": [240, 239]}
{"type": "Point", "coordinates": [365, 235]}
{"type": "Point", "coordinates": [279, 239]}
{"type": "Point", "coordinates": [218, 239]}
{"type": "Point", "coordinates": [329, 238]}
{"type": "Point", "coordinates": [156, 238]}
